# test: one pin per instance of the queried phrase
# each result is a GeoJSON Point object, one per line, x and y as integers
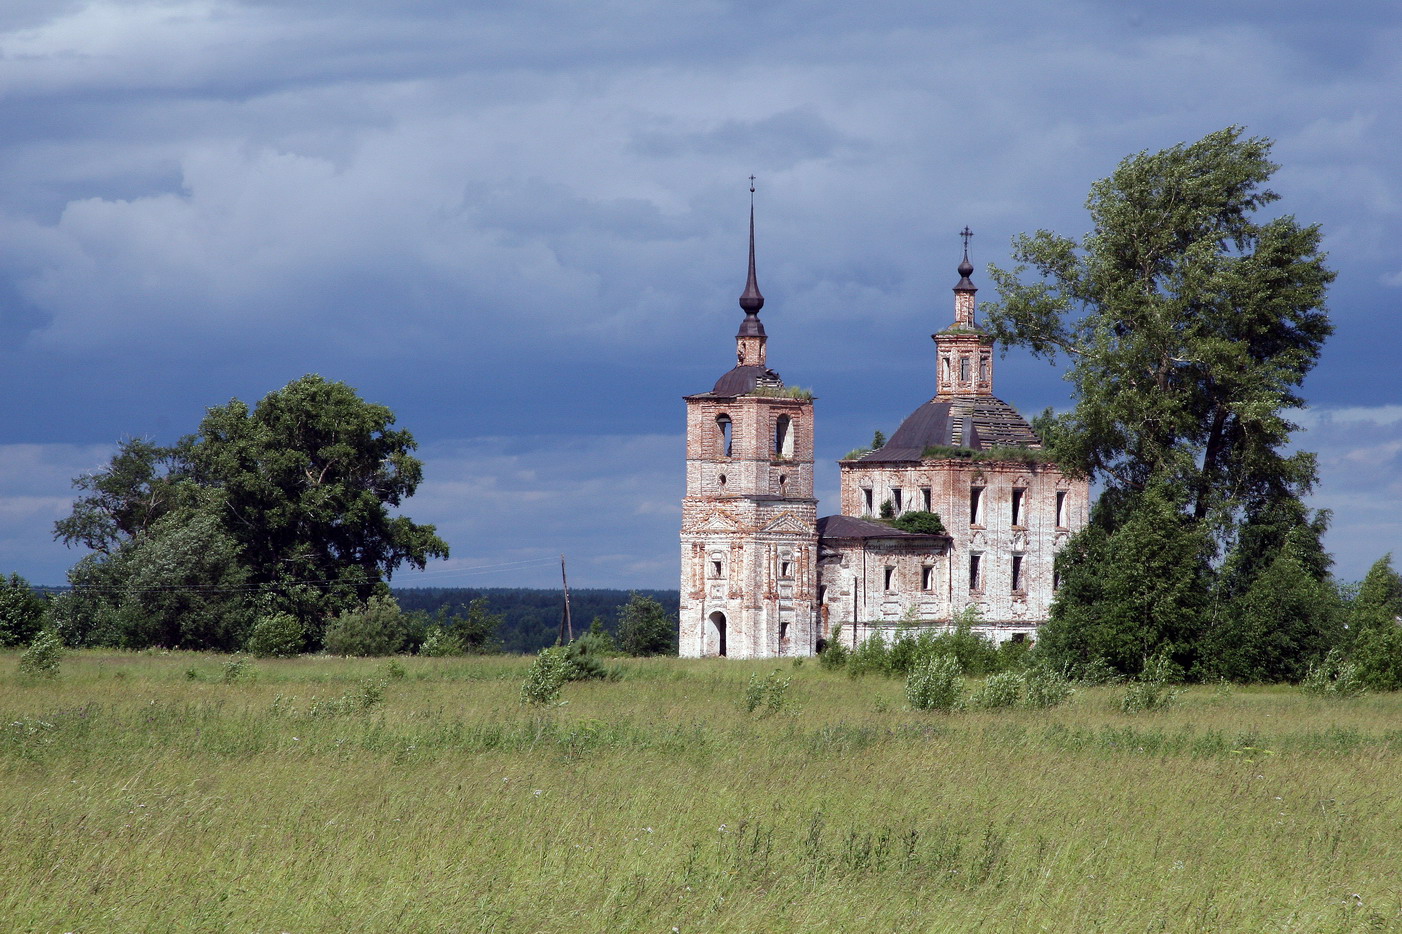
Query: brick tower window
{"type": "Point", "coordinates": [724, 434]}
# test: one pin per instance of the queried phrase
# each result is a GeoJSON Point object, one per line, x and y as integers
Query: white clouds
{"type": "Point", "coordinates": [35, 492]}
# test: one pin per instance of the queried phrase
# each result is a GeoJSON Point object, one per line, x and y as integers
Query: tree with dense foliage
{"type": "Point", "coordinates": [1189, 323]}
{"type": "Point", "coordinates": [919, 521]}
{"type": "Point", "coordinates": [1375, 622]}
{"type": "Point", "coordinates": [290, 501]}
{"type": "Point", "coordinates": [22, 612]}
{"type": "Point", "coordinates": [646, 628]}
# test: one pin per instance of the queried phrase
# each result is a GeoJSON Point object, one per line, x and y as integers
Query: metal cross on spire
{"type": "Point", "coordinates": [966, 233]}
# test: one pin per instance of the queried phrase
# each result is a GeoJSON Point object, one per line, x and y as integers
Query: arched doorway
{"type": "Point", "coordinates": [715, 634]}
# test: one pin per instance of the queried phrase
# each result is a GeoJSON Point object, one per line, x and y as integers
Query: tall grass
{"type": "Point", "coordinates": [136, 797]}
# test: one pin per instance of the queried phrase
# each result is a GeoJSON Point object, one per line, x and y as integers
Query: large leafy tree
{"type": "Point", "coordinates": [288, 504]}
{"type": "Point", "coordinates": [1190, 322]}
{"type": "Point", "coordinates": [646, 628]}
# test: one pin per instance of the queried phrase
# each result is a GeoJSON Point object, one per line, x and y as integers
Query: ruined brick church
{"type": "Point", "coordinates": [763, 576]}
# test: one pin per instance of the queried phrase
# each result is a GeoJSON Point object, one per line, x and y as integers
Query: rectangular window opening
{"type": "Point", "coordinates": [898, 500]}
{"type": "Point", "coordinates": [1061, 509]}
{"type": "Point", "coordinates": [1019, 507]}
{"type": "Point", "coordinates": [975, 577]}
{"type": "Point", "coordinates": [715, 569]}
{"type": "Point", "coordinates": [976, 505]}
{"type": "Point", "coordinates": [866, 502]}
{"type": "Point", "coordinates": [927, 578]}
{"type": "Point", "coordinates": [890, 576]}
{"type": "Point", "coordinates": [925, 500]}
{"type": "Point", "coordinates": [784, 568]}
{"type": "Point", "coordinates": [1017, 573]}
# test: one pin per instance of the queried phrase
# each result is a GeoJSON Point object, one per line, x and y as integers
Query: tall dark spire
{"type": "Point", "coordinates": [751, 300]}
{"type": "Point", "coordinates": [965, 268]}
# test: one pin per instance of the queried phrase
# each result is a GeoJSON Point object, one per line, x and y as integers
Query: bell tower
{"type": "Point", "coordinates": [963, 352]}
{"type": "Point", "coordinates": [749, 538]}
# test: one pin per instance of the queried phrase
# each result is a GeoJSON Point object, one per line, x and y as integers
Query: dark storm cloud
{"type": "Point", "coordinates": [527, 220]}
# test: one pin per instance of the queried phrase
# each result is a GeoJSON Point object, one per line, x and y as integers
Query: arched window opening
{"type": "Point", "coordinates": [783, 436]}
{"type": "Point", "coordinates": [724, 427]}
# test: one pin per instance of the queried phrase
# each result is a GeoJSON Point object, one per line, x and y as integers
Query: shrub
{"type": "Point", "coordinates": [1045, 688]}
{"type": "Point", "coordinates": [1095, 672]}
{"type": "Point", "coordinates": [998, 692]}
{"type": "Point", "coordinates": [770, 692]}
{"type": "Point", "coordinates": [276, 635]}
{"type": "Point", "coordinates": [377, 628]}
{"type": "Point", "coordinates": [835, 652]}
{"type": "Point", "coordinates": [22, 612]}
{"type": "Point", "coordinates": [41, 659]}
{"type": "Point", "coordinates": [646, 628]}
{"type": "Point", "coordinates": [919, 521]}
{"type": "Point", "coordinates": [935, 684]}
{"type": "Point", "coordinates": [975, 654]}
{"type": "Point", "coordinates": [872, 657]}
{"type": "Point", "coordinates": [546, 676]}
{"type": "Point", "coordinates": [585, 656]}
{"type": "Point", "coordinates": [238, 669]}
{"type": "Point", "coordinates": [1333, 677]}
{"type": "Point", "coordinates": [365, 696]}
{"type": "Point", "coordinates": [440, 643]}
{"type": "Point", "coordinates": [1153, 689]}
{"type": "Point", "coordinates": [1378, 655]}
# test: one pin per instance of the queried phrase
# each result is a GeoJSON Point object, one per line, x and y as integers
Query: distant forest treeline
{"type": "Point", "coordinates": [531, 618]}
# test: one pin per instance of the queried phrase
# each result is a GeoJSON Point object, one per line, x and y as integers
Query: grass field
{"type": "Point", "coordinates": [142, 792]}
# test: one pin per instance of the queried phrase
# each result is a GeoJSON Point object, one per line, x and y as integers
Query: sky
{"type": "Point", "coordinates": [522, 226]}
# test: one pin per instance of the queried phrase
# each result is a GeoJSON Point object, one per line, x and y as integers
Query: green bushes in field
{"type": "Point", "coordinates": [276, 635]}
{"type": "Point", "coordinates": [1154, 688]}
{"type": "Point", "coordinates": [586, 658]}
{"type": "Point", "coordinates": [546, 677]}
{"type": "Point", "coordinates": [42, 658]}
{"type": "Point", "coordinates": [935, 684]}
{"type": "Point", "coordinates": [377, 628]}
{"type": "Point", "coordinates": [999, 691]}
{"type": "Point", "coordinates": [770, 693]}
{"type": "Point", "coordinates": [1333, 676]}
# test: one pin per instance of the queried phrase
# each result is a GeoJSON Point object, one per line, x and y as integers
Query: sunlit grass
{"type": "Point", "coordinates": [143, 793]}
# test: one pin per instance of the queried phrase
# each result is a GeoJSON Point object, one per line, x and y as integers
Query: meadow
{"type": "Point", "coordinates": [191, 792]}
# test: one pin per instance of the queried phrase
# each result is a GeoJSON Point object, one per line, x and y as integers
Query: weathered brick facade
{"type": "Point", "coordinates": [763, 576]}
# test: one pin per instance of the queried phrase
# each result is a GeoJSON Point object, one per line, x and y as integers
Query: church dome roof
{"type": "Point", "coordinates": [743, 379]}
{"type": "Point", "coordinates": [973, 422]}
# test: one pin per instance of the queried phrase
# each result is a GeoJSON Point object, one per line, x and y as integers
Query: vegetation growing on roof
{"type": "Point", "coordinates": [919, 521]}
{"type": "Point", "coordinates": [783, 392]}
{"type": "Point", "coordinates": [996, 453]}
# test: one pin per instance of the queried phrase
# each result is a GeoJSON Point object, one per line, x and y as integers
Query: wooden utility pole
{"type": "Point", "coordinates": [566, 624]}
